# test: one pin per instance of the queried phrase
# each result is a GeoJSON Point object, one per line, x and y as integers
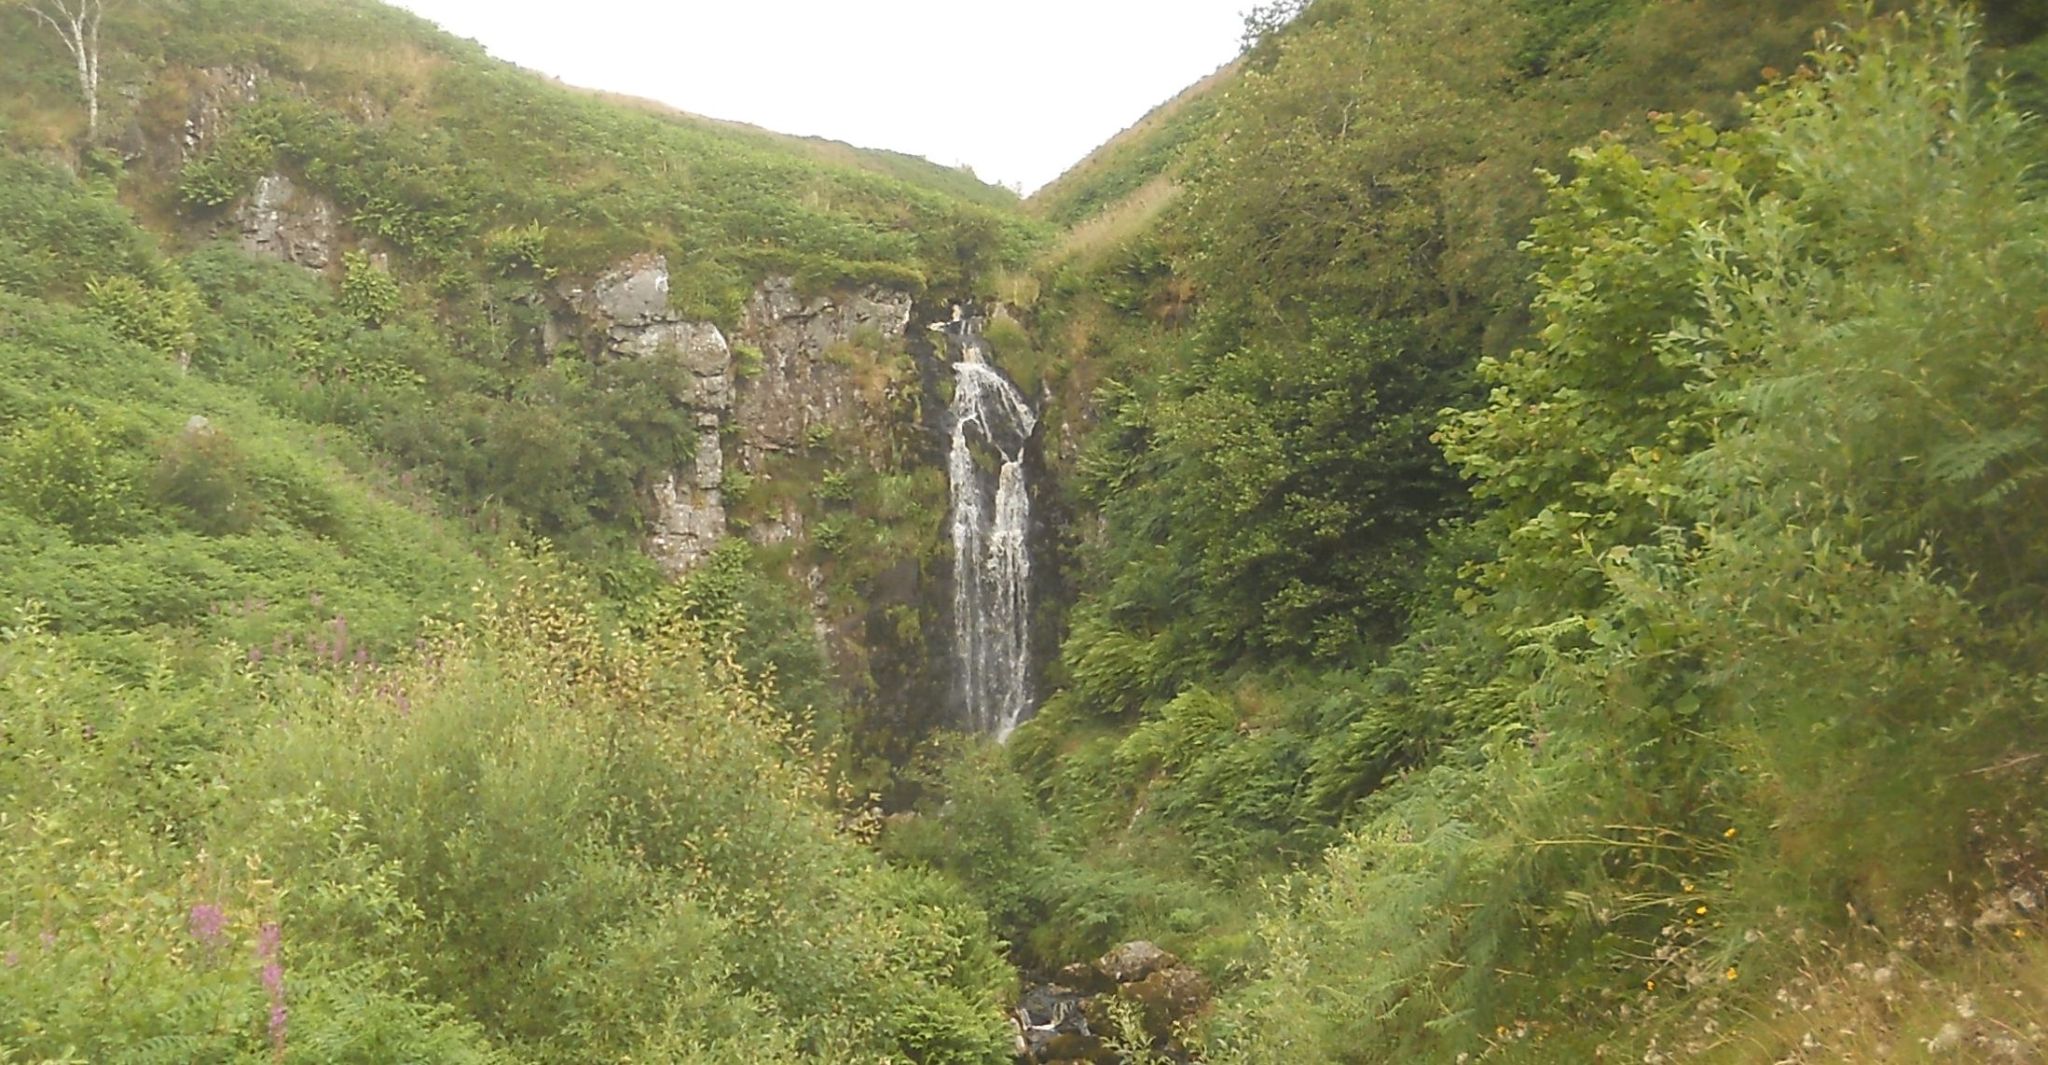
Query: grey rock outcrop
{"type": "Point", "coordinates": [219, 92]}
{"type": "Point", "coordinates": [284, 222]}
{"type": "Point", "coordinates": [798, 385]}
{"type": "Point", "coordinates": [630, 304]}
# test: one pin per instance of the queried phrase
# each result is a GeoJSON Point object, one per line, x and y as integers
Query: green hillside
{"type": "Point", "coordinates": [1528, 445]}
{"type": "Point", "coordinates": [341, 718]}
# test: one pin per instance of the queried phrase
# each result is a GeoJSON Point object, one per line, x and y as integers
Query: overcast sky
{"type": "Point", "coordinates": [1017, 89]}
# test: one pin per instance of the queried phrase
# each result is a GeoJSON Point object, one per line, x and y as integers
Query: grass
{"type": "Point", "coordinates": [1134, 158]}
{"type": "Point", "coordinates": [1085, 244]}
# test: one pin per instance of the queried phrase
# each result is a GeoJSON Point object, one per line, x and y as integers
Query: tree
{"type": "Point", "coordinates": [77, 23]}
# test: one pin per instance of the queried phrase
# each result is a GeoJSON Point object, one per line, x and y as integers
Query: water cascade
{"type": "Point", "coordinates": [991, 544]}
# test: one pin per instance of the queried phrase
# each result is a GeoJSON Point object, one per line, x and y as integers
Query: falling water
{"type": "Point", "coordinates": [991, 547]}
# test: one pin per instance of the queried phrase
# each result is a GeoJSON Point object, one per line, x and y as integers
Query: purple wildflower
{"type": "Point", "coordinates": [268, 939]}
{"type": "Point", "coordinates": [206, 922]}
{"type": "Point", "coordinates": [12, 959]}
{"type": "Point", "coordinates": [49, 940]}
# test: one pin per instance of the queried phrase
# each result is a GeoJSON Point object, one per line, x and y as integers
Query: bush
{"type": "Point", "coordinates": [161, 320]}
{"type": "Point", "coordinates": [63, 473]}
{"type": "Point", "coordinates": [203, 478]}
{"type": "Point", "coordinates": [369, 294]}
{"type": "Point", "coordinates": [519, 251]}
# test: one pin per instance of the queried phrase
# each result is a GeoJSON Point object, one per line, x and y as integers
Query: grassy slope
{"type": "Point", "coordinates": [121, 520]}
{"type": "Point", "coordinates": [430, 145]}
{"type": "Point", "coordinates": [1132, 159]}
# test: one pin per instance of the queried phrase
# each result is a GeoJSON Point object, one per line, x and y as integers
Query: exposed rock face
{"type": "Point", "coordinates": [283, 222]}
{"type": "Point", "coordinates": [630, 304]}
{"type": "Point", "coordinates": [219, 92]}
{"type": "Point", "coordinates": [799, 385]}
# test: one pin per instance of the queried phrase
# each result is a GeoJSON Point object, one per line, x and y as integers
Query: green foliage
{"type": "Point", "coordinates": [63, 472]}
{"type": "Point", "coordinates": [227, 172]}
{"type": "Point", "coordinates": [1052, 900]}
{"type": "Point", "coordinates": [532, 841]}
{"type": "Point", "coordinates": [737, 605]}
{"type": "Point", "coordinates": [203, 477]}
{"type": "Point", "coordinates": [369, 294]}
{"type": "Point", "coordinates": [1767, 629]}
{"type": "Point", "coordinates": [516, 251]}
{"type": "Point", "coordinates": [835, 487]}
{"type": "Point", "coordinates": [160, 320]}
{"type": "Point", "coordinates": [57, 236]}
{"type": "Point", "coordinates": [1558, 32]}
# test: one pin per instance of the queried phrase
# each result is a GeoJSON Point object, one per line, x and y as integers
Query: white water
{"type": "Point", "coordinates": [991, 549]}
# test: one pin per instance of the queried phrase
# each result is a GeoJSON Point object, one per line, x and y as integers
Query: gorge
{"type": "Point", "coordinates": [1500, 532]}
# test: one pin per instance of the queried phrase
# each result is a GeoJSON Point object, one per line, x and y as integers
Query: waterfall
{"type": "Point", "coordinates": [991, 545]}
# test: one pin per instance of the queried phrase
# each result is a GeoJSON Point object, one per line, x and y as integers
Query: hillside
{"type": "Point", "coordinates": [347, 712]}
{"type": "Point", "coordinates": [1472, 654]}
{"type": "Point", "coordinates": [1486, 530]}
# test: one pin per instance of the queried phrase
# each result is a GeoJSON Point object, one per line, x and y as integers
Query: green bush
{"type": "Point", "coordinates": [228, 172]}
{"type": "Point", "coordinates": [1753, 480]}
{"type": "Point", "coordinates": [161, 320]}
{"type": "Point", "coordinates": [516, 251]}
{"type": "Point", "coordinates": [203, 477]}
{"type": "Point", "coordinates": [369, 294]}
{"type": "Point", "coordinates": [64, 473]}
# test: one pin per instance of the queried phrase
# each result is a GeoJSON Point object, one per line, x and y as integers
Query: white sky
{"type": "Point", "coordinates": [1017, 89]}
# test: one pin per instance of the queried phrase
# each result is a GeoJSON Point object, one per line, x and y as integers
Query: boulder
{"type": "Point", "coordinates": [1085, 978]}
{"type": "Point", "coordinates": [1168, 997]}
{"type": "Point", "coordinates": [1134, 961]}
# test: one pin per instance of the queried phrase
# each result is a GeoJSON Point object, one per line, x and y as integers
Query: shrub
{"type": "Point", "coordinates": [63, 473]}
{"type": "Point", "coordinates": [369, 294]}
{"type": "Point", "coordinates": [203, 478]}
{"type": "Point", "coordinates": [161, 320]}
{"type": "Point", "coordinates": [516, 251]}
{"type": "Point", "coordinates": [226, 173]}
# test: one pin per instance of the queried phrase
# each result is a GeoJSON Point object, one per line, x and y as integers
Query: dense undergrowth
{"type": "Point", "coordinates": [526, 839]}
{"type": "Point", "coordinates": [1523, 619]}
{"type": "Point", "coordinates": [1630, 690]}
